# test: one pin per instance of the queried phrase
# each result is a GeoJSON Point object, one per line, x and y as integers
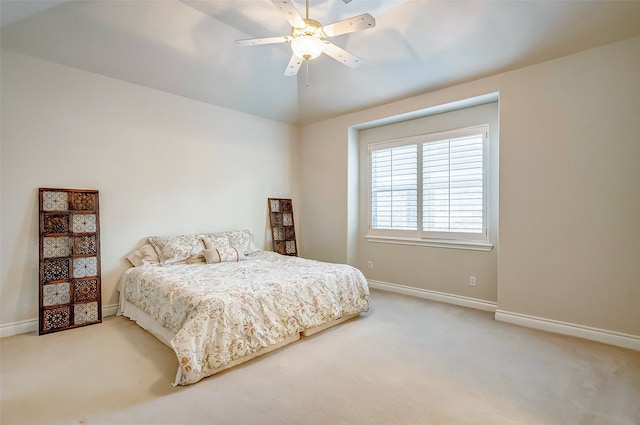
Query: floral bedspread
{"type": "Point", "coordinates": [225, 311]}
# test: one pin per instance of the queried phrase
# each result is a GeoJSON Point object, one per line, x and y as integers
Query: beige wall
{"type": "Point", "coordinates": [569, 200]}
{"type": "Point", "coordinates": [570, 190]}
{"type": "Point", "coordinates": [163, 165]}
{"type": "Point", "coordinates": [322, 204]}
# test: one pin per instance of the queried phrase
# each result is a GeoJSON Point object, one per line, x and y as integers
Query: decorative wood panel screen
{"type": "Point", "coordinates": [70, 291]}
{"type": "Point", "coordinates": [282, 226]}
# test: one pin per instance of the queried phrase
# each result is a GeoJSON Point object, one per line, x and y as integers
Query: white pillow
{"type": "Point", "coordinates": [223, 255]}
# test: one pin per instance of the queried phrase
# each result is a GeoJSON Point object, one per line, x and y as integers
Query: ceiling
{"type": "Point", "coordinates": [187, 47]}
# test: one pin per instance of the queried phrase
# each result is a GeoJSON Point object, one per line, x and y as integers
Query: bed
{"type": "Point", "coordinates": [218, 301]}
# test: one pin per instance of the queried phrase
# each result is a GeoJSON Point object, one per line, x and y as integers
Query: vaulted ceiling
{"type": "Point", "coordinates": [187, 47]}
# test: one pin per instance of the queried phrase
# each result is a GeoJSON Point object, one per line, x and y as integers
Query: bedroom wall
{"type": "Point", "coordinates": [568, 204]}
{"type": "Point", "coordinates": [163, 165]}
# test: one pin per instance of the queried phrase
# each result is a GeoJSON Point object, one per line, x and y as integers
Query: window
{"type": "Point", "coordinates": [430, 186]}
{"type": "Point", "coordinates": [394, 188]}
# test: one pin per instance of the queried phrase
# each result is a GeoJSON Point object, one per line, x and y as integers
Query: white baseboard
{"type": "Point", "coordinates": [594, 334]}
{"type": "Point", "coordinates": [434, 295]}
{"type": "Point", "coordinates": [109, 310]}
{"type": "Point", "coordinates": [15, 328]}
{"type": "Point", "coordinates": [26, 326]}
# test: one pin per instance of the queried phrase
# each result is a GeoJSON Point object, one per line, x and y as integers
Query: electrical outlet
{"type": "Point", "coordinates": [472, 280]}
{"type": "Point", "coordinates": [370, 265]}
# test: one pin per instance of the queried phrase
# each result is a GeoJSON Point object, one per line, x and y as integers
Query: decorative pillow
{"type": "Point", "coordinates": [215, 240]}
{"type": "Point", "coordinates": [178, 249]}
{"type": "Point", "coordinates": [222, 255]}
{"type": "Point", "coordinates": [145, 255]}
{"type": "Point", "coordinates": [242, 240]}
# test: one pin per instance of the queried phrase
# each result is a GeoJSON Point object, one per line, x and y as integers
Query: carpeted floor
{"type": "Point", "coordinates": [407, 361]}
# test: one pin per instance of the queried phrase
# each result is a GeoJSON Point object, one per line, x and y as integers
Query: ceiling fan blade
{"type": "Point", "coordinates": [355, 23]}
{"type": "Point", "coordinates": [290, 13]}
{"type": "Point", "coordinates": [341, 55]}
{"type": "Point", "coordinates": [268, 40]}
{"type": "Point", "coordinates": [293, 67]}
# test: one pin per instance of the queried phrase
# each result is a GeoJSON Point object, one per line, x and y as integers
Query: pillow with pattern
{"type": "Point", "coordinates": [223, 255]}
{"type": "Point", "coordinates": [178, 249]}
{"type": "Point", "coordinates": [242, 240]}
{"type": "Point", "coordinates": [215, 240]}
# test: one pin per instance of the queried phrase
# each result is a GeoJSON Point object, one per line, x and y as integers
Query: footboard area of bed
{"type": "Point", "coordinates": [271, 348]}
{"type": "Point", "coordinates": [164, 335]}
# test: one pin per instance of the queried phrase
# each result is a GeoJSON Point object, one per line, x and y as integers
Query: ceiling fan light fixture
{"type": "Point", "coordinates": [307, 46]}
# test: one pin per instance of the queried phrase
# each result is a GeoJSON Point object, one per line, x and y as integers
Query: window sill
{"type": "Point", "coordinates": [436, 243]}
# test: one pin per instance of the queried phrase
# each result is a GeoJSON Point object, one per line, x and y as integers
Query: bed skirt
{"type": "Point", "coordinates": [147, 323]}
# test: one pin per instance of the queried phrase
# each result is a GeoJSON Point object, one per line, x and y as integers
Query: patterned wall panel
{"type": "Point", "coordinates": [70, 293]}
{"type": "Point", "coordinates": [282, 226]}
{"type": "Point", "coordinates": [56, 223]}
{"type": "Point", "coordinates": [85, 290]}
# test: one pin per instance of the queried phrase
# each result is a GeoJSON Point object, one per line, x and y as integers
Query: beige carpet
{"type": "Point", "coordinates": [408, 361]}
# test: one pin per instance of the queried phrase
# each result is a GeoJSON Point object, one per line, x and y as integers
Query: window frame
{"type": "Point", "coordinates": [419, 236]}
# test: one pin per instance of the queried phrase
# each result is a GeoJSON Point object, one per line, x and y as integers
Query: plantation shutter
{"type": "Point", "coordinates": [453, 185]}
{"type": "Point", "coordinates": [394, 188]}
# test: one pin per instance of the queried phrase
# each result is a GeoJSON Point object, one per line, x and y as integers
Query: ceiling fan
{"type": "Point", "coordinates": [308, 36]}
